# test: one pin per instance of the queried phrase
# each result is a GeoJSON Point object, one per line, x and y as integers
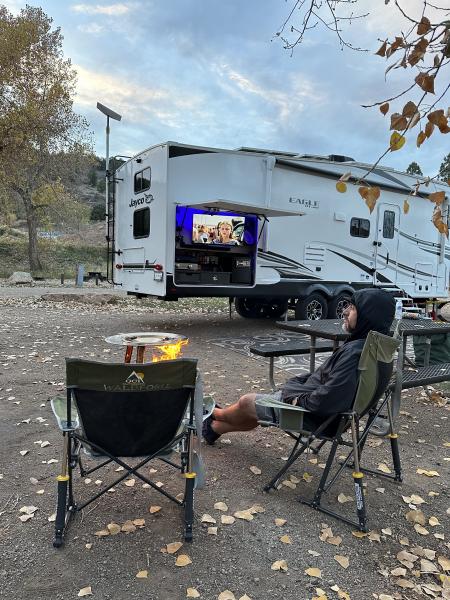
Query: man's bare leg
{"type": "Point", "coordinates": [240, 416]}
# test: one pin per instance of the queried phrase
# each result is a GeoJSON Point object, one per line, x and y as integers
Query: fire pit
{"type": "Point", "coordinates": [163, 346]}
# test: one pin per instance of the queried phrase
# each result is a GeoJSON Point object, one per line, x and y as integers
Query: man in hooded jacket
{"type": "Point", "coordinates": [330, 389]}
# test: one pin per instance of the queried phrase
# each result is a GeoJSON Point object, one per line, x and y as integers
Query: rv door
{"type": "Point", "coordinates": [386, 244]}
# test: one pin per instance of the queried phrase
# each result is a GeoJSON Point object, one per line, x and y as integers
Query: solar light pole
{"type": "Point", "coordinates": [113, 115]}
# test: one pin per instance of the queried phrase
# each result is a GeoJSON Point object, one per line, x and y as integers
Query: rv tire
{"type": "Point", "coordinates": [337, 305]}
{"type": "Point", "coordinates": [260, 308]}
{"type": "Point", "coordinates": [311, 308]}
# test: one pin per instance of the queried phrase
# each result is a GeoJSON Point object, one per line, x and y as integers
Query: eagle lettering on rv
{"type": "Point", "coordinates": [147, 199]}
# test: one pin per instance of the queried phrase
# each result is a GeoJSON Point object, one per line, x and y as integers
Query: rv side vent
{"type": "Point", "coordinates": [184, 150]}
{"type": "Point", "coordinates": [314, 254]}
{"type": "Point", "coordinates": [340, 158]}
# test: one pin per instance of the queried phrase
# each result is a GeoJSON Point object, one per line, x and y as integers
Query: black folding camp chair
{"type": "Point", "coordinates": [118, 411]}
{"type": "Point", "coordinates": [371, 398]}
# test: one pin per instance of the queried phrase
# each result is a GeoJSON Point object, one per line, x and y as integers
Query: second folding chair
{"type": "Point", "coordinates": [375, 370]}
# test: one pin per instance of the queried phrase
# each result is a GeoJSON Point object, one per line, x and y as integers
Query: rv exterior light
{"type": "Point", "coordinates": [110, 114]}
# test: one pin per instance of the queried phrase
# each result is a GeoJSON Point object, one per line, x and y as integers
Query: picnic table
{"type": "Point", "coordinates": [331, 329]}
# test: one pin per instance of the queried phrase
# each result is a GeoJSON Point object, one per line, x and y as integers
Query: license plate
{"type": "Point", "coordinates": [157, 275]}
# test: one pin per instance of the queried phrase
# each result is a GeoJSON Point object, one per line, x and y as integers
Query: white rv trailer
{"type": "Point", "coordinates": [297, 241]}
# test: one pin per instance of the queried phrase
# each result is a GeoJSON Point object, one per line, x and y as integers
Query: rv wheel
{"type": "Point", "coordinates": [311, 308]}
{"type": "Point", "coordinates": [260, 308]}
{"type": "Point", "coordinates": [337, 305]}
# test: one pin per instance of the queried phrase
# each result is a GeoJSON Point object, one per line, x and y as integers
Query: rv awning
{"type": "Point", "coordinates": [244, 208]}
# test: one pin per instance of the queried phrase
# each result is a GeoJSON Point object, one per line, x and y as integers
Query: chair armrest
{"type": "Point", "coordinates": [281, 405]}
{"type": "Point", "coordinates": [59, 407]}
{"type": "Point", "coordinates": [290, 418]}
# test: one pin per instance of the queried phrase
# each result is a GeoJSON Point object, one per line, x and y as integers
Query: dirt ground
{"type": "Point", "coordinates": [38, 335]}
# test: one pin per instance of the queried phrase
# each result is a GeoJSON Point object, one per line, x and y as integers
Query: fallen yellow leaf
{"type": "Point", "coordinates": [314, 572]}
{"type": "Point", "coordinates": [86, 591]}
{"type": "Point", "coordinates": [102, 533]}
{"type": "Point", "coordinates": [221, 506]}
{"type": "Point", "coordinates": [342, 498]}
{"type": "Point", "coordinates": [285, 539]}
{"type": "Point", "coordinates": [384, 468]}
{"type": "Point", "coordinates": [255, 470]}
{"type": "Point", "coordinates": [130, 482]}
{"type": "Point", "coordinates": [280, 522]}
{"type": "Point", "coordinates": [142, 574]}
{"type": "Point", "coordinates": [279, 565]}
{"type": "Point", "coordinates": [226, 595]}
{"type": "Point", "coordinates": [139, 522]}
{"type": "Point", "coordinates": [154, 509]}
{"type": "Point", "coordinates": [208, 519]}
{"type": "Point", "coordinates": [212, 531]}
{"type": "Point", "coordinates": [183, 560]}
{"type": "Point", "coordinates": [128, 527]}
{"type": "Point", "coordinates": [227, 520]}
{"type": "Point", "coordinates": [192, 593]}
{"type": "Point", "coordinates": [427, 473]}
{"type": "Point", "coordinates": [342, 560]}
{"type": "Point", "coordinates": [113, 528]}
{"type": "Point", "coordinates": [421, 529]}
{"type": "Point", "coordinates": [244, 514]}
{"type": "Point", "coordinates": [173, 547]}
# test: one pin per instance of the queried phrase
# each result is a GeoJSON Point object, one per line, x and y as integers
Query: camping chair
{"type": "Point", "coordinates": [127, 410]}
{"type": "Point", "coordinates": [375, 370]}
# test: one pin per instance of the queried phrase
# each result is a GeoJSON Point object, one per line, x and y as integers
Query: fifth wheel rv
{"type": "Point", "coordinates": [269, 230]}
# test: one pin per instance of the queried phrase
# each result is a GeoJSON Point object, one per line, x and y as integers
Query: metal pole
{"type": "Point", "coordinates": [107, 168]}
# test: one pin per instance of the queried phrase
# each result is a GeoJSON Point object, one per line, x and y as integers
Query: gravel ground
{"type": "Point", "coordinates": [37, 335]}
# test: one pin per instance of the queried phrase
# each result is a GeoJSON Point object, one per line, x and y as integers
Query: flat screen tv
{"type": "Point", "coordinates": [218, 229]}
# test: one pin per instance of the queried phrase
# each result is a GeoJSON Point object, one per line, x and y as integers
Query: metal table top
{"type": "Point", "coordinates": [145, 338]}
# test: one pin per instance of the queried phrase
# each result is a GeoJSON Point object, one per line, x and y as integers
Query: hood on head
{"type": "Point", "coordinates": [376, 309]}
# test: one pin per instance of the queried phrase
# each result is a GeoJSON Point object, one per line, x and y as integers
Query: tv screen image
{"type": "Point", "coordinates": [218, 229]}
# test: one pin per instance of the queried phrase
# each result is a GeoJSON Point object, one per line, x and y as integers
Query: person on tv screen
{"type": "Point", "coordinates": [225, 230]}
{"type": "Point", "coordinates": [203, 236]}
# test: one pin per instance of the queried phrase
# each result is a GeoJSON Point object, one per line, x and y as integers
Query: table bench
{"type": "Point", "coordinates": [290, 348]}
{"type": "Point", "coordinates": [424, 376]}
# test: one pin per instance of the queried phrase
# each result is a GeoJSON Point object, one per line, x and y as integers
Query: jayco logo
{"type": "Point", "coordinates": [146, 199]}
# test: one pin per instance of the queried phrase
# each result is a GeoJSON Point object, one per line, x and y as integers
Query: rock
{"type": "Point", "coordinates": [20, 277]}
{"type": "Point", "coordinates": [82, 298]}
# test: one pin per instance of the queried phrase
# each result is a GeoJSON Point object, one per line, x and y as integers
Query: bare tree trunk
{"type": "Point", "coordinates": [33, 251]}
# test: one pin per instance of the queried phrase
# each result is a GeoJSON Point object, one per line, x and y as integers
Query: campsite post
{"type": "Point", "coordinates": [109, 113]}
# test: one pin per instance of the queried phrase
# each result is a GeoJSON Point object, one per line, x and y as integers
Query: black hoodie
{"type": "Point", "coordinates": [332, 387]}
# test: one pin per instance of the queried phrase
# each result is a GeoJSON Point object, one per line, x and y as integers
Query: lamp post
{"type": "Point", "coordinates": [113, 115]}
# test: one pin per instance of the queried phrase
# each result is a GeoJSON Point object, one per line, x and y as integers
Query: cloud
{"type": "Point", "coordinates": [287, 103]}
{"type": "Point", "coordinates": [139, 104]}
{"type": "Point", "coordinates": [111, 10]}
{"type": "Point", "coordinates": [91, 28]}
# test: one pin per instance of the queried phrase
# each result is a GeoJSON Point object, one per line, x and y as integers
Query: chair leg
{"type": "Point", "coordinates": [358, 477]}
{"type": "Point", "coordinates": [393, 438]}
{"type": "Point", "coordinates": [321, 487]}
{"type": "Point", "coordinates": [61, 506]}
{"type": "Point", "coordinates": [292, 458]}
{"type": "Point", "coordinates": [189, 506]}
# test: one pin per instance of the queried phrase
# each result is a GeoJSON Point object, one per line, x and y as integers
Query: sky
{"type": "Point", "coordinates": [214, 73]}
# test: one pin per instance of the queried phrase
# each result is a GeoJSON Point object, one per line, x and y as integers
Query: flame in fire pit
{"type": "Point", "coordinates": [169, 351]}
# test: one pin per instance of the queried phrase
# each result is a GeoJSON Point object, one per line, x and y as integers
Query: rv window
{"type": "Point", "coordinates": [141, 223]}
{"type": "Point", "coordinates": [359, 227]}
{"type": "Point", "coordinates": [142, 180]}
{"type": "Point", "coordinates": [388, 224]}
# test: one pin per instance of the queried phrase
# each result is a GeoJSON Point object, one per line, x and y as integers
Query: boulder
{"type": "Point", "coordinates": [20, 277]}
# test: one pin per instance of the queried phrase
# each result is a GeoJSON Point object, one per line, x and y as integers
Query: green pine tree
{"type": "Point", "coordinates": [414, 169]}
